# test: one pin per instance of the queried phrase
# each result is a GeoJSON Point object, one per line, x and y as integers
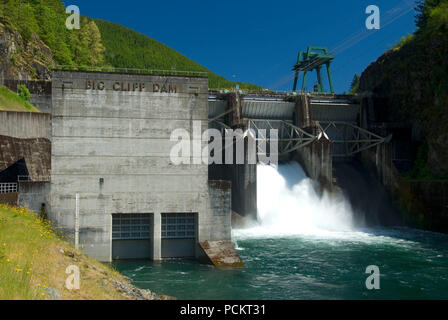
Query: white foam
{"type": "Point", "coordinates": [288, 205]}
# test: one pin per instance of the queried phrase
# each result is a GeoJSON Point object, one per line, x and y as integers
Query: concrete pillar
{"type": "Point", "coordinates": [317, 161]}
{"type": "Point", "coordinates": [244, 190]}
{"type": "Point", "coordinates": [234, 102]}
{"type": "Point", "coordinates": [244, 185]}
{"type": "Point", "coordinates": [303, 112]}
{"type": "Point", "coordinates": [157, 237]}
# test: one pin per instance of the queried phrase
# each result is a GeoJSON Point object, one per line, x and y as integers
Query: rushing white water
{"type": "Point", "coordinates": [288, 205]}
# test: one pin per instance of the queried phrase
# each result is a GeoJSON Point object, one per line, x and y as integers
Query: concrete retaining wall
{"type": "Point", "coordinates": [41, 102]}
{"type": "Point", "coordinates": [35, 196]}
{"type": "Point", "coordinates": [25, 125]}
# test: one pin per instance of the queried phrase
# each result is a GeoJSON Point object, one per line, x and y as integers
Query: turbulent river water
{"type": "Point", "coordinates": [307, 246]}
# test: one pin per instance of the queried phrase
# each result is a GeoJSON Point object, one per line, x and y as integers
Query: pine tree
{"type": "Point", "coordinates": [355, 84]}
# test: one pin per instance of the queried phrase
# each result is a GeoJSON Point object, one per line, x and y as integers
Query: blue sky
{"type": "Point", "coordinates": [258, 41]}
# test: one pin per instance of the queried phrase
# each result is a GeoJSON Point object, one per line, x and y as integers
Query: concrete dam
{"type": "Point", "coordinates": [97, 162]}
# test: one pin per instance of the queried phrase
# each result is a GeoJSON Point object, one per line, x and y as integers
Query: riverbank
{"type": "Point", "coordinates": [34, 260]}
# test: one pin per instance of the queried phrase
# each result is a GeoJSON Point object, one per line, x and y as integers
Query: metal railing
{"type": "Point", "coordinates": [131, 70]}
{"type": "Point", "coordinates": [8, 188]}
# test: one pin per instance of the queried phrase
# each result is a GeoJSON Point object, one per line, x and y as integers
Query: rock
{"type": "Point", "coordinates": [22, 59]}
{"type": "Point", "coordinates": [136, 293]}
{"type": "Point", "coordinates": [53, 294]}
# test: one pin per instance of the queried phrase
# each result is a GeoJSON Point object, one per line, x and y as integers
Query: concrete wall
{"type": "Point", "coordinates": [33, 194]}
{"type": "Point", "coordinates": [42, 102]}
{"type": "Point", "coordinates": [25, 125]}
{"type": "Point", "coordinates": [219, 206]}
{"type": "Point", "coordinates": [111, 144]}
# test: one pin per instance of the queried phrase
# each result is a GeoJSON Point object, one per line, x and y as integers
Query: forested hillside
{"type": "Point", "coordinates": [98, 43]}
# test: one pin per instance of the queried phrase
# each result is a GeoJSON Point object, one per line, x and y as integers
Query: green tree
{"type": "Point", "coordinates": [87, 47]}
{"type": "Point", "coordinates": [424, 8]}
{"type": "Point", "coordinates": [437, 21]}
{"type": "Point", "coordinates": [355, 84]}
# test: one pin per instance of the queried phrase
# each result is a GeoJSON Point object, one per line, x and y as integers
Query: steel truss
{"type": "Point", "coordinates": [354, 138]}
{"type": "Point", "coordinates": [291, 138]}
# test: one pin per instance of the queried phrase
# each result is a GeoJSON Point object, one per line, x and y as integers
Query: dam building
{"type": "Point", "coordinates": [98, 165]}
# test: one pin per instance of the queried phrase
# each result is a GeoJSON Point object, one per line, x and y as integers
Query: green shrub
{"type": "Point", "coordinates": [23, 92]}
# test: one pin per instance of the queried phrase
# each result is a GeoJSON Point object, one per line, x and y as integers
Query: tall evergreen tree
{"type": "Point", "coordinates": [355, 84]}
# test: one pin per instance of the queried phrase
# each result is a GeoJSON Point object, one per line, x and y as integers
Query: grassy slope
{"type": "Point", "coordinates": [10, 101]}
{"type": "Point", "coordinates": [31, 262]}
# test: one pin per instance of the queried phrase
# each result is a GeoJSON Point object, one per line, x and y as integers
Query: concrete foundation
{"type": "Point", "coordinates": [220, 254]}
